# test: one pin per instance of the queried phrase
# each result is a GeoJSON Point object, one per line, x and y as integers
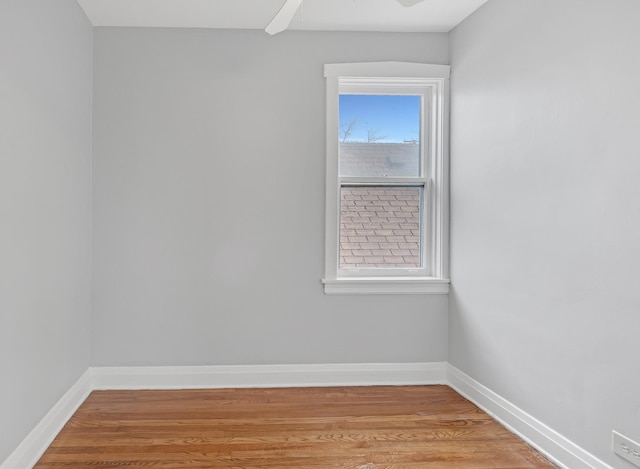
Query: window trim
{"type": "Point", "coordinates": [398, 76]}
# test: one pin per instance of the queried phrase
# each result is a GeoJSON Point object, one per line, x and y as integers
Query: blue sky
{"type": "Point", "coordinates": [395, 117]}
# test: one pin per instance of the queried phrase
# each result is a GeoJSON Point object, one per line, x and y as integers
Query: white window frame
{"type": "Point", "coordinates": [432, 83]}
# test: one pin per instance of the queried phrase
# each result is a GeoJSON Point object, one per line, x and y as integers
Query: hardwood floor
{"type": "Point", "coordinates": [344, 427]}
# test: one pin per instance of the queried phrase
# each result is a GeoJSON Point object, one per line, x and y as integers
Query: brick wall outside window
{"type": "Point", "coordinates": [380, 227]}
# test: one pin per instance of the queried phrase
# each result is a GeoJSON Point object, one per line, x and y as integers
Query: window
{"type": "Point", "coordinates": [387, 175]}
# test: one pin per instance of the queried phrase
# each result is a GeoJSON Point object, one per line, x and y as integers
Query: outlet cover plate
{"type": "Point", "coordinates": [626, 448]}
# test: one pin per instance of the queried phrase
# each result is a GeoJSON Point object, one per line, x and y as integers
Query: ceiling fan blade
{"type": "Point", "coordinates": [281, 21]}
{"type": "Point", "coordinates": [408, 3]}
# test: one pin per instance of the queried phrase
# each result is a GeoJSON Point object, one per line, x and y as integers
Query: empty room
{"type": "Point", "coordinates": [320, 233]}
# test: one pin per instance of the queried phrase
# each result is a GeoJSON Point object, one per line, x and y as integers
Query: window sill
{"type": "Point", "coordinates": [386, 285]}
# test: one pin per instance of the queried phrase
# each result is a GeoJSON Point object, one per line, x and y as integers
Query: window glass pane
{"type": "Point", "coordinates": [380, 227]}
{"type": "Point", "coordinates": [379, 135]}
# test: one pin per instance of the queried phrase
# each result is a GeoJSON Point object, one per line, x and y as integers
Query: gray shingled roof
{"type": "Point", "coordinates": [379, 159]}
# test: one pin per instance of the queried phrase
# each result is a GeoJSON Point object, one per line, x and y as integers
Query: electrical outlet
{"type": "Point", "coordinates": [626, 448]}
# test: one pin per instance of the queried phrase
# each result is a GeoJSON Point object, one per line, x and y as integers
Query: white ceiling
{"type": "Point", "coordinates": [324, 15]}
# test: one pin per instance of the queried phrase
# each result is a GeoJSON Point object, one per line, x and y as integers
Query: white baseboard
{"type": "Point", "coordinates": [556, 447]}
{"type": "Point", "coordinates": [268, 376]}
{"type": "Point", "coordinates": [28, 453]}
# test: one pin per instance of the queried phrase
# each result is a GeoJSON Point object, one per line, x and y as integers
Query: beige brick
{"type": "Point", "coordinates": [399, 252]}
{"type": "Point", "coordinates": [381, 203]}
{"type": "Point", "coordinates": [396, 220]}
{"type": "Point", "coordinates": [378, 192]}
{"type": "Point", "coordinates": [358, 239]}
{"type": "Point", "coordinates": [381, 252]}
{"type": "Point", "coordinates": [389, 246]}
{"type": "Point", "coordinates": [360, 253]}
{"type": "Point", "coordinates": [365, 232]}
{"type": "Point", "coordinates": [393, 259]}
{"type": "Point", "coordinates": [372, 260]}
{"type": "Point", "coordinates": [385, 212]}
{"type": "Point", "coordinates": [398, 203]}
{"type": "Point", "coordinates": [353, 260]}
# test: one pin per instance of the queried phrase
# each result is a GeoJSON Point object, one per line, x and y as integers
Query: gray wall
{"type": "Point", "coordinates": [209, 203]}
{"type": "Point", "coordinates": [45, 173]}
{"type": "Point", "coordinates": [545, 211]}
